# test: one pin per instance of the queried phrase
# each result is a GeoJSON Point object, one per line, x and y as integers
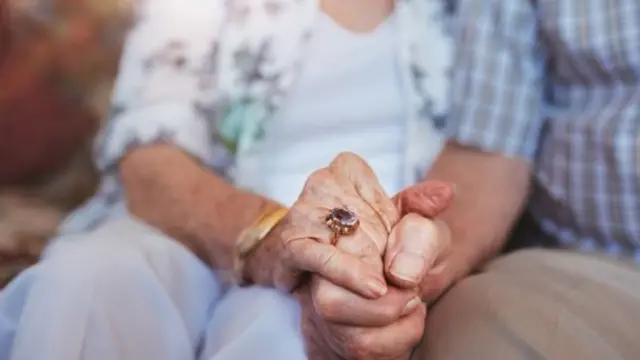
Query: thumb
{"type": "Point", "coordinates": [414, 245]}
{"type": "Point", "coordinates": [428, 199]}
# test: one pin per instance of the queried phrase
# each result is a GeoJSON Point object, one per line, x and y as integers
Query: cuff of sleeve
{"type": "Point", "coordinates": [508, 137]}
{"type": "Point", "coordinates": [177, 124]}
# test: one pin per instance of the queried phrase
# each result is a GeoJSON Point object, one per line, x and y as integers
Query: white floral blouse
{"type": "Point", "coordinates": [206, 75]}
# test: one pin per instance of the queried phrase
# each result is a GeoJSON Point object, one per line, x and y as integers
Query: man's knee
{"type": "Point", "coordinates": [469, 318]}
{"type": "Point", "coordinates": [532, 305]}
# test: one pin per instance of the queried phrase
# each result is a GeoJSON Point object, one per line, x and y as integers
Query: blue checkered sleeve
{"type": "Point", "coordinates": [498, 78]}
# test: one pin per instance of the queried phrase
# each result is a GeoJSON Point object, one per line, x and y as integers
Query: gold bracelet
{"type": "Point", "coordinates": [252, 236]}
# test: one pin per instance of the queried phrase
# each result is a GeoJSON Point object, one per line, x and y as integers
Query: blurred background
{"type": "Point", "coordinates": [58, 59]}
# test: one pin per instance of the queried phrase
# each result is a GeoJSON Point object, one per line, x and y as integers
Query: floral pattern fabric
{"type": "Point", "coordinates": [207, 76]}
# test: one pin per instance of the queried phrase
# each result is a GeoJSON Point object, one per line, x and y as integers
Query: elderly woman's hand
{"type": "Point", "coordinates": [302, 242]}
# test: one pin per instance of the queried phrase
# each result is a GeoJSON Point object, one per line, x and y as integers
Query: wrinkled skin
{"type": "Point", "coordinates": [361, 299]}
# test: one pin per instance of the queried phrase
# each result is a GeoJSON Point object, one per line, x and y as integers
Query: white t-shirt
{"type": "Point", "coordinates": [348, 97]}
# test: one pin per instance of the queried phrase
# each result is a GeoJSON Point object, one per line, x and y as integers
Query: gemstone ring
{"type": "Point", "coordinates": [341, 221]}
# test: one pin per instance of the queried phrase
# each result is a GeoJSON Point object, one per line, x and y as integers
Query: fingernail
{"type": "Point", "coordinates": [376, 287]}
{"type": "Point", "coordinates": [411, 306]}
{"type": "Point", "coordinates": [407, 266]}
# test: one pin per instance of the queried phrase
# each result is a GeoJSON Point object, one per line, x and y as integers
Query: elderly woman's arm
{"type": "Point", "coordinates": [168, 189]}
{"type": "Point", "coordinates": [171, 191]}
{"type": "Point", "coordinates": [158, 140]}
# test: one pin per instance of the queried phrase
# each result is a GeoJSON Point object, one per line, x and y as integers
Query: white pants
{"type": "Point", "coordinates": [127, 292]}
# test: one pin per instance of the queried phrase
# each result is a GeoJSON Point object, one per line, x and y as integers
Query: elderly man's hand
{"type": "Point", "coordinates": [422, 263]}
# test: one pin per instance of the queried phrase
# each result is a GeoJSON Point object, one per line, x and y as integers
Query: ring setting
{"type": "Point", "coordinates": [341, 221]}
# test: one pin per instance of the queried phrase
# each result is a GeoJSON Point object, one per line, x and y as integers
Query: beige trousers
{"type": "Point", "coordinates": [539, 304]}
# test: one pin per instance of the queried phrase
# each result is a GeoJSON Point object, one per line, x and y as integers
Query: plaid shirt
{"type": "Point", "coordinates": [557, 82]}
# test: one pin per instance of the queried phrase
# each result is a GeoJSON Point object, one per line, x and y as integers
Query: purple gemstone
{"type": "Point", "coordinates": [344, 217]}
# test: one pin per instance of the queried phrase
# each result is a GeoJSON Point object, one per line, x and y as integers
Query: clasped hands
{"type": "Point", "coordinates": [362, 298]}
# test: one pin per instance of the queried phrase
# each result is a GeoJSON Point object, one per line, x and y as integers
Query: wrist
{"type": "Point", "coordinates": [257, 247]}
{"type": "Point", "coordinates": [260, 265]}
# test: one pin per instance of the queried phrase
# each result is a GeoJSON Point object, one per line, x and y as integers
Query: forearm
{"type": "Point", "coordinates": [172, 192]}
{"type": "Point", "coordinates": [491, 191]}
{"type": "Point", "coordinates": [498, 117]}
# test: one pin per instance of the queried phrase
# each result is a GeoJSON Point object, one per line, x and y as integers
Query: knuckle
{"type": "Point", "coordinates": [346, 156]}
{"type": "Point", "coordinates": [389, 208]}
{"type": "Point", "coordinates": [326, 300]}
{"type": "Point", "coordinates": [328, 259]}
{"type": "Point", "coordinates": [390, 312]}
{"type": "Point", "coordinates": [352, 162]}
{"type": "Point", "coordinates": [415, 222]}
{"type": "Point", "coordinates": [316, 179]}
{"type": "Point", "coordinates": [415, 334]}
{"type": "Point", "coordinates": [301, 217]}
{"type": "Point", "coordinates": [319, 174]}
{"type": "Point", "coordinates": [292, 250]}
{"type": "Point", "coordinates": [424, 230]}
{"type": "Point", "coordinates": [297, 217]}
{"type": "Point", "coordinates": [365, 248]}
{"type": "Point", "coordinates": [364, 346]}
{"type": "Point", "coordinates": [415, 328]}
{"type": "Point", "coordinates": [287, 255]}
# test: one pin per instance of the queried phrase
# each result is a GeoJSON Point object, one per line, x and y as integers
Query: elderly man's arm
{"type": "Point", "coordinates": [494, 128]}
